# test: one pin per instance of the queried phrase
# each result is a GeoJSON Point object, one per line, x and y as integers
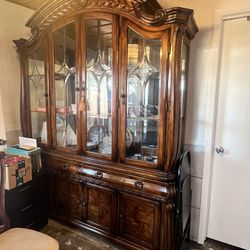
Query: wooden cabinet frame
{"type": "Point", "coordinates": [113, 177]}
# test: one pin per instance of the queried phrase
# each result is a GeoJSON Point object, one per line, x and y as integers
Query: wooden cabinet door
{"type": "Point", "coordinates": [139, 220]}
{"type": "Point", "coordinates": [101, 210]}
{"type": "Point", "coordinates": [67, 196]}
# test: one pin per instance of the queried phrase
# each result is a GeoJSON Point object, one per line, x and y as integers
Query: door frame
{"type": "Point", "coordinates": [212, 103]}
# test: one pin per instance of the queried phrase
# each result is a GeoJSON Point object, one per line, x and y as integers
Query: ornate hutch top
{"type": "Point", "coordinates": [147, 12]}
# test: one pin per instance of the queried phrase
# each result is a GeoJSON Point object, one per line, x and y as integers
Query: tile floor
{"type": "Point", "coordinates": [70, 238]}
{"type": "Point", "coordinates": [208, 245]}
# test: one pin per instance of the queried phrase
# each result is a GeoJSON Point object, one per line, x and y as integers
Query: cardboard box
{"type": "Point", "coordinates": [34, 153]}
{"type": "Point", "coordinates": [18, 171]}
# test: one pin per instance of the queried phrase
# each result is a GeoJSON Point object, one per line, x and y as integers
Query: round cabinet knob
{"type": "Point", "coordinates": [219, 150]}
{"type": "Point", "coordinates": [65, 167]}
{"type": "Point", "coordinates": [98, 175]}
{"type": "Point", "coordinates": [139, 185]}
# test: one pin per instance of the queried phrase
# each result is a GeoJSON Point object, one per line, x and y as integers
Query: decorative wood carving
{"type": "Point", "coordinates": [149, 12]}
{"type": "Point", "coordinates": [167, 230]}
{"type": "Point", "coordinates": [158, 18]}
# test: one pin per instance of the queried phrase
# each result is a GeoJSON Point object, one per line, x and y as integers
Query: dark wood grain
{"type": "Point", "coordinates": [101, 209]}
{"type": "Point", "coordinates": [67, 198]}
{"type": "Point", "coordinates": [139, 219]}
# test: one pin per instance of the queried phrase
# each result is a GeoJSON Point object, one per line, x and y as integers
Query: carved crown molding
{"type": "Point", "coordinates": [148, 11]}
{"type": "Point", "coordinates": [53, 10]}
{"type": "Point", "coordinates": [20, 43]}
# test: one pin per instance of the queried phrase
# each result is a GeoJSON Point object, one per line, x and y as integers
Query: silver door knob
{"type": "Point", "coordinates": [219, 150]}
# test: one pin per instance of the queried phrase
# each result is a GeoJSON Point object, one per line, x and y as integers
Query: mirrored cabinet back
{"type": "Point", "coordinates": [103, 89]}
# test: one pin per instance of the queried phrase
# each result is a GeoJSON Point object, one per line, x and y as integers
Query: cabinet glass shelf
{"type": "Point", "coordinates": [38, 111]}
{"type": "Point", "coordinates": [154, 118]}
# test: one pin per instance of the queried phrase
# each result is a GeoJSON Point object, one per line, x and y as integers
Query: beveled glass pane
{"type": "Point", "coordinates": [65, 86]}
{"type": "Point", "coordinates": [99, 86]}
{"type": "Point", "coordinates": [37, 87]}
{"type": "Point", "coordinates": [143, 89]}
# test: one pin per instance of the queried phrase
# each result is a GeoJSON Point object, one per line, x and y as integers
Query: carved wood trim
{"type": "Point", "coordinates": [52, 11]}
{"type": "Point", "coordinates": [154, 175]}
{"type": "Point", "coordinates": [20, 44]}
{"type": "Point", "coordinates": [167, 227]}
{"type": "Point", "coordinates": [171, 192]}
{"type": "Point", "coordinates": [159, 17]}
{"type": "Point", "coordinates": [170, 187]}
{"type": "Point", "coordinates": [149, 12]}
{"type": "Point", "coordinates": [191, 28]}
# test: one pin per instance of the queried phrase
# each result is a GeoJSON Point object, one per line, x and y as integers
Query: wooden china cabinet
{"type": "Point", "coordinates": [103, 92]}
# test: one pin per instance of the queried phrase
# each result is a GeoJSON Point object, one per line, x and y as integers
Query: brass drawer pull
{"type": "Point", "coordinates": [24, 189]}
{"type": "Point", "coordinates": [77, 180]}
{"type": "Point", "coordinates": [98, 175]}
{"type": "Point", "coordinates": [30, 225]}
{"type": "Point", "coordinates": [139, 185]}
{"type": "Point", "coordinates": [26, 208]}
{"type": "Point", "coordinates": [65, 167]}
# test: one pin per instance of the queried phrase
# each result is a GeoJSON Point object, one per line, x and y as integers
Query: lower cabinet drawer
{"type": "Point", "coordinates": [27, 205]}
{"type": "Point", "coordinates": [116, 180]}
{"type": "Point", "coordinates": [19, 197]}
{"type": "Point", "coordinates": [24, 217]}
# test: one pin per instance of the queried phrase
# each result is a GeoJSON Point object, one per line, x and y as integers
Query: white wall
{"type": "Point", "coordinates": [2, 125]}
{"type": "Point", "coordinates": [12, 26]}
{"type": "Point", "coordinates": [201, 55]}
{"type": "Point", "coordinates": [202, 78]}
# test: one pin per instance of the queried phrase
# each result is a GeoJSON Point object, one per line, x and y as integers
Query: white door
{"type": "Point", "coordinates": [229, 214]}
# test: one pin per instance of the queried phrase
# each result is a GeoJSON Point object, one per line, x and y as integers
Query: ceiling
{"type": "Point", "coordinates": [32, 4]}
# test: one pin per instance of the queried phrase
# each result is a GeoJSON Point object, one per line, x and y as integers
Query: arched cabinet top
{"type": "Point", "coordinates": [147, 12]}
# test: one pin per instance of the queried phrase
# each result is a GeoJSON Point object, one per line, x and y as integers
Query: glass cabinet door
{"type": "Point", "coordinates": [66, 85]}
{"type": "Point", "coordinates": [142, 97]}
{"type": "Point", "coordinates": [99, 85]}
{"type": "Point", "coordinates": [37, 89]}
